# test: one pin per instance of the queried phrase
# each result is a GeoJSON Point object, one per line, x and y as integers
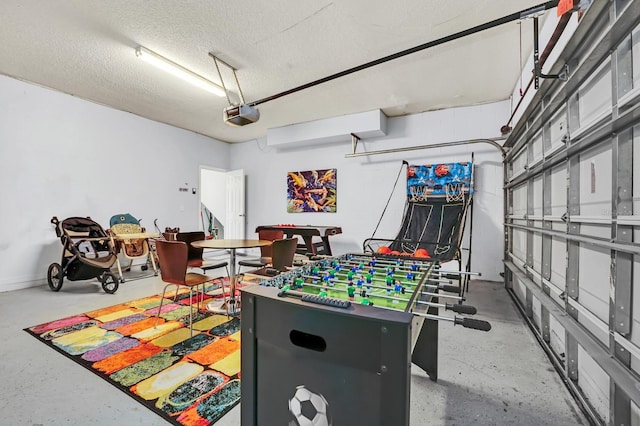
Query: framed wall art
{"type": "Point", "coordinates": [312, 191]}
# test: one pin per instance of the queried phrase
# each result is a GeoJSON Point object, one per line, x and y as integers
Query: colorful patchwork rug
{"type": "Point", "coordinates": [188, 380]}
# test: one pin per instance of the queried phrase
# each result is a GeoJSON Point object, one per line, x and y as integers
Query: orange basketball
{"type": "Point", "coordinates": [384, 250]}
{"type": "Point", "coordinates": [421, 253]}
{"type": "Point", "coordinates": [441, 170]}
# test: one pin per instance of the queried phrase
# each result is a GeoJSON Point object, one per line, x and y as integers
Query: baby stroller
{"type": "Point", "coordinates": [87, 252]}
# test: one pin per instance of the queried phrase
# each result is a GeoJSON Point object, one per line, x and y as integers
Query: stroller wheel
{"type": "Point", "coordinates": [109, 283]}
{"type": "Point", "coordinates": [144, 267]}
{"type": "Point", "coordinates": [55, 277]}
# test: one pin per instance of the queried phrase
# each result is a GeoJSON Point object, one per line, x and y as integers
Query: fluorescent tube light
{"type": "Point", "coordinates": [179, 71]}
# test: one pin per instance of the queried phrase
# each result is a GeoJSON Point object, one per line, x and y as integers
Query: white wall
{"type": "Point", "coordinates": [63, 156]}
{"type": "Point", "coordinates": [366, 183]}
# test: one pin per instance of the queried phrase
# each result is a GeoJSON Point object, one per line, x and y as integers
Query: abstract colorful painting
{"type": "Point", "coordinates": [312, 191]}
{"type": "Point", "coordinates": [188, 380]}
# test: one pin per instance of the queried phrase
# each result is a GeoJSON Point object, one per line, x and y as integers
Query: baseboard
{"type": "Point", "coordinates": [19, 283]}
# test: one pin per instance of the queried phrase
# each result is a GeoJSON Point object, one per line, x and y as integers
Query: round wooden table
{"type": "Point", "coordinates": [231, 245]}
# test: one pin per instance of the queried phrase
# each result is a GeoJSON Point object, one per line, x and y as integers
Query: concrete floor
{"type": "Point", "coordinates": [497, 378]}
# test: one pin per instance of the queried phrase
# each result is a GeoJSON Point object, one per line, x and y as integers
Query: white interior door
{"type": "Point", "coordinates": [213, 197]}
{"type": "Point", "coordinates": [235, 227]}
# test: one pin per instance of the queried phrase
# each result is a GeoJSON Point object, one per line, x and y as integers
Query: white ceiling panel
{"type": "Point", "coordinates": [87, 48]}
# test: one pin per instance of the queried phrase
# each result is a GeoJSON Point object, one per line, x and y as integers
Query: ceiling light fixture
{"type": "Point", "coordinates": [178, 71]}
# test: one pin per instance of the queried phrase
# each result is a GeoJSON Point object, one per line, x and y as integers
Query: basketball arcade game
{"type": "Point", "coordinates": [326, 341]}
{"type": "Point", "coordinates": [439, 196]}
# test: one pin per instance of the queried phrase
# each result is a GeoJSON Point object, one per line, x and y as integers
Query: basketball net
{"type": "Point", "coordinates": [418, 193]}
{"type": "Point", "coordinates": [454, 192]}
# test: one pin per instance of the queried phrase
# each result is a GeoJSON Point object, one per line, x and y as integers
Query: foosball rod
{"type": "Point", "coordinates": [384, 288]}
{"type": "Point", "coordinates": [478, 274]}
{"type": "Point", "coordinates": [388, 262]}
{"type": "Point", "coordinates": [432, 263]}
{"type": "Point", "coordinates": [385, 263]}
{"type": "Point", "coordinates": [381, 273]}
{"type": "Point", "coordinates": [439, 280]}
{"type": "Point", "coordinates": [404, 268]}
{"type": "Point", "coordinates": [445, 287]}
{"type": "Point", "coordinates": [385, 258]}
{"type": "Point", "coordinates": [461, 309]}
{"type": "Point", "coordinates": [380, 279]}
{"type": "Point", "coordinates": [473, 323]}
{"type": "Point", "coordinates": [463, 321]}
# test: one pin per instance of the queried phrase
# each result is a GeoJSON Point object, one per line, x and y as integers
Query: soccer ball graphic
{"type": "Point", "coordinates": [308, 408]}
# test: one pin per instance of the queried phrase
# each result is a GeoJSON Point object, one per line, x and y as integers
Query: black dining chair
{"type": "Point", "coordinates": [282, 254]}
{"type": "Point", "coordinates": [265, 251]}
{"type": "Point", "coordinates": [196, 259]}
{"type": "Point", "coordinates": [173, 256]}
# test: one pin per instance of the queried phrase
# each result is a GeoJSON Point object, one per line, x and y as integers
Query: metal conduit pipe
{"type": "Point", "coordinates": [491, 142]}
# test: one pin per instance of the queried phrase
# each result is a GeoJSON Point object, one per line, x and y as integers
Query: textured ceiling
{"type": "Point", "coordinates": [86, 48]}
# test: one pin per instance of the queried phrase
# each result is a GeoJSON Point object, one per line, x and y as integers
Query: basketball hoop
{"type": "Point", "coordinates": [418, 193]}
{"type": "Point", "coordinates": [454, 192]}
{"type": "Point", "coordinates": [439, 250]}
{"type": "Point", "coordinates": [409, 247]}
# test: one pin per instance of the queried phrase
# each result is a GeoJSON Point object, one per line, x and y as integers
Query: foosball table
{"type": "Point", "coordinates": [358, 319]}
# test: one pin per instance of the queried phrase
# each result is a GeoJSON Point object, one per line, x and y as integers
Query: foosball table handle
{"type": "Point", "coordinates": [449, 288]}
{"type": "Point", "coordinates": [312, 298]}
{"type": "Point", "coordinates": [473, 323]}
{"type": "Point", "coordinates": [462, 309]}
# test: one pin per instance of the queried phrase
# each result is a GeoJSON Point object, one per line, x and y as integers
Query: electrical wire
{"type": "Point", "coordinates": [404, 163]}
